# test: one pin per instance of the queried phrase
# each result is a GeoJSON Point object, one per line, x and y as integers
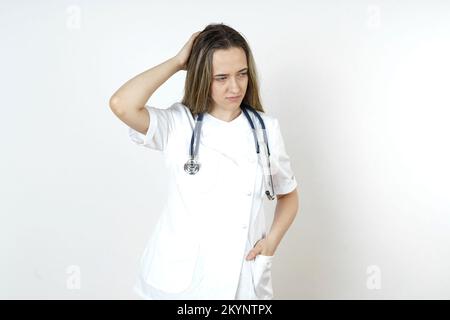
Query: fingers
{"type": "Point", "coordinates": [257, 249]}
{"type": "Point", "coordinates": [252, 254]}
{"type": "Point", "coordinates": [194, 35]}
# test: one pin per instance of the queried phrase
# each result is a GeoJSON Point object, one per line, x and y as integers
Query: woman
{"type": "Point", "coordinates": [210, 241]}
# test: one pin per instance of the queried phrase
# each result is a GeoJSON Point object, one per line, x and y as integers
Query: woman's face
{"type": "Point", "coordinates": [229, 78]}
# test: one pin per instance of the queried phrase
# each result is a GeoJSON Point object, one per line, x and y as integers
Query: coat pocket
{"type": "Point", "coordinates": [262, 277]}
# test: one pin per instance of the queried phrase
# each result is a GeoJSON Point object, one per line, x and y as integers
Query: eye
{"type": "Point", "coordinates": [243, 74]}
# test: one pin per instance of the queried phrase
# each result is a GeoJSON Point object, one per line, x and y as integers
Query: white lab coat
{"type": "Point", "coordinates": [212, 219]}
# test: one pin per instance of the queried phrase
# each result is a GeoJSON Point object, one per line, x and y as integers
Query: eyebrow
{"type": "Point", "coordinates": [223, 74]}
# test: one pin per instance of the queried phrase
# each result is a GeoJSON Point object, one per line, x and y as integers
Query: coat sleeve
{"type": "Point", "coordinates": [161, 125]}
{"type": "Point", "coordinates": [283, 178]}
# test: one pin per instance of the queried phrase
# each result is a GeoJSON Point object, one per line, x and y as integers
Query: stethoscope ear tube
{"type": "Point", "coordinates": [267, 174]}
{"type": "Point", "coordinates": [192, 166]}
{"type": "Point", "coordinates": [264, 155]}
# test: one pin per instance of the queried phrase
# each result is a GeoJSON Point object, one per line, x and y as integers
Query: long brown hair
{"type": "Point", "coordinates": [197, 86]}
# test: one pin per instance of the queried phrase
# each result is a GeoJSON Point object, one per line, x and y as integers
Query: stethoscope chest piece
{"type": "Point", "coordinates": [191, 166]}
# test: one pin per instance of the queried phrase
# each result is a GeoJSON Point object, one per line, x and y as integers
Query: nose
{"type": "Point", "coordinates": [234, 86]}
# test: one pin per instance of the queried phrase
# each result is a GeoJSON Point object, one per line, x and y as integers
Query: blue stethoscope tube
{"type": "Point", "coordinates": [192, 166]}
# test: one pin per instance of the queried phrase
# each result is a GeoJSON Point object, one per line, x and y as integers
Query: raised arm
{"type": "Point", "coordinates": [128, 102]}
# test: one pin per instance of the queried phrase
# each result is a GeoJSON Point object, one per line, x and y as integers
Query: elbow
{"type": "Point", "coordinates": [114, 103]}
{"type": "Point", "coordinates": [115, 106]}
{"type": "Point", "coordinates": [120, 106]}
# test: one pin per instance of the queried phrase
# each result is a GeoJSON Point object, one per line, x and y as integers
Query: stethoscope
{"type": "Point", "coordinates": [192, 166]}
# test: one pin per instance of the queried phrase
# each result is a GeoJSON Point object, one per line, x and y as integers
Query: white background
{"type": "Point", "coordinates": [361, 90]}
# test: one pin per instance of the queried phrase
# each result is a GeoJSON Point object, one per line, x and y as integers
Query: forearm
{"type": "Point", "coordinates": [285, 212]}
{"type": "Point", "coordinates": [135, 93]}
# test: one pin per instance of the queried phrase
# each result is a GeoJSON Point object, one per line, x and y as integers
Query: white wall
{"type": "Point", "coordinates": [361, 89]}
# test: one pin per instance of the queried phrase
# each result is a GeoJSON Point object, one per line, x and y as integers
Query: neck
{"type": "Point", "coordinates": [225, 115]}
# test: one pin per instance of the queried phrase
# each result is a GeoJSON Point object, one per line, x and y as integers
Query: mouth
{"type": "Point", "coordinates": [234, 98]}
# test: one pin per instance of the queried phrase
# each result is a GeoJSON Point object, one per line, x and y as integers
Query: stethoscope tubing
{"type": "Point", "coordinates": [192, 166]}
